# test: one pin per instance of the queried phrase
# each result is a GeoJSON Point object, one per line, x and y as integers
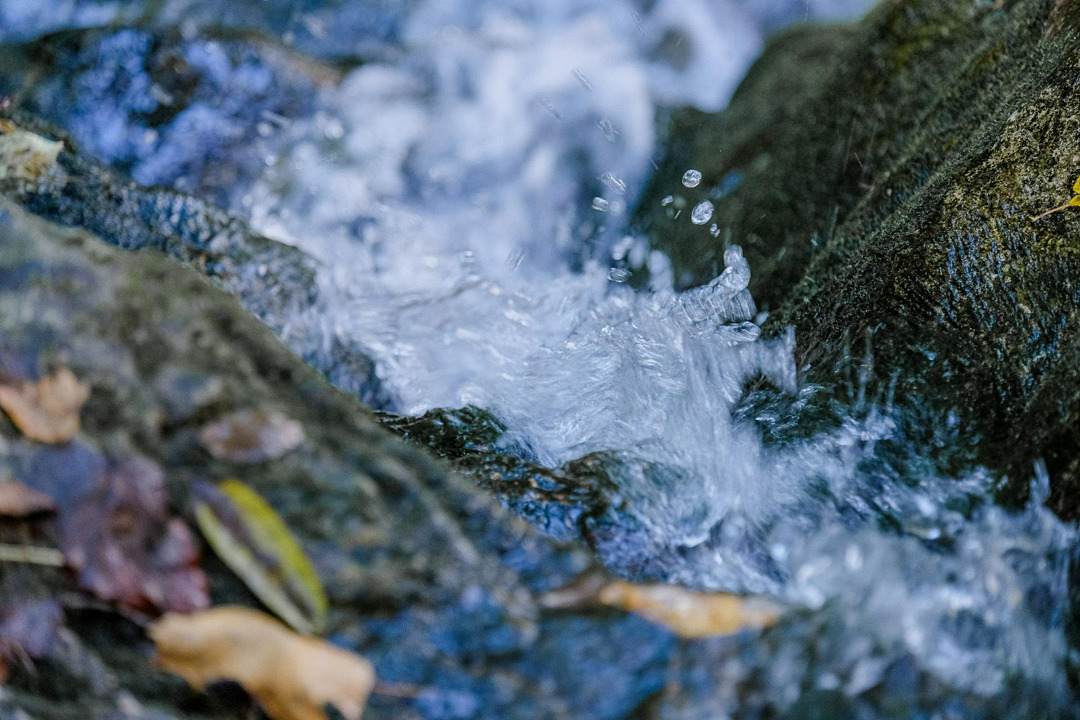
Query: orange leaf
{"type": "Point", "coordinates": [293, 677]}
{"type": "Point", "coordinates": [19, 501]}
{"type": "Point", "coordinates": [48, 410]}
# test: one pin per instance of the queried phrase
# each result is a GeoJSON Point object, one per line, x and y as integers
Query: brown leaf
{"type": "Point", "coordinates": [293, 677]}
{"type": "Point", "coordinates": [19, 501]}
{"type": "Point", "coordinates": [116, 531]}
{"type": "Point", "coordinates": [48, 410]}
{"type": "Point", "coordinates": [251, 436]}
{"type": "Point", "coordinates": [687, 613]}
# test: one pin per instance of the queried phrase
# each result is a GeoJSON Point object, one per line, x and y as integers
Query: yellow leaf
{"type": "Point", "coordinates": [688, 613]}
{"type": "Point", "coordinates": [291, 676]}
{"type": "Point", "coordinates": [48, 410]}
{"type": "Point", "coordinates": [1076, 186]}
{"type": "Point", "coordinates": [255, 543]}
{"type": "Point", "coordinates": [1075, 202]}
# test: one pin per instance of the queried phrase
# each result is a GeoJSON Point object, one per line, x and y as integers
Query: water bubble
{"type": "Point", "coordinates": [618, 275]}
{"type": "Point", "coordinates": [599, 203]}
{"type": "Point", "coordinates": [714, 230]}
{"type": "Point", "coordinates": [667, 201]}
{"type": "Point", "coordinates": [691, 178]}
{"type": "Point", "coordinates": [701, 212]}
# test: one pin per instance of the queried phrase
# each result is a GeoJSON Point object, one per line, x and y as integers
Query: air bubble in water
{"type": "Point", "coordinates": [618, 275]}
{"type": "Point", "coordinates": [599, 203]}
{"type": "Point", "coordinates": [701, 212]}
{"type": "Point", "coordinates": [608, 128]}
{"type": "Point", "coordinates": [691, 178]}
{"type": "Point", "coordinates": [667, 201]}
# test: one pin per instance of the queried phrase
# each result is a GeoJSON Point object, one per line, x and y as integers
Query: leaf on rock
{"type": "Point", "coordinates": [28, 630]}
{"type": "Point", "coordinates": [251, 436]}
{"type": "Point", "coordinates": [293, 677]}
{"type": "Point", "coordinates": [125, 547]}
{"type": "Point", "coordinates": [25, 155]}
{"type": "Point", "coordinates": [48, 410]}
{"type": "Point", "coordinates": [19, 501]}
{"type": "Point", "coordinates": [687, 613]}
{"type": "Point", "coordinates": [255, 543]}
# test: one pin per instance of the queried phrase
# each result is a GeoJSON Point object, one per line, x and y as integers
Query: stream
{"type": "Point", "coordinates": [466, 189]}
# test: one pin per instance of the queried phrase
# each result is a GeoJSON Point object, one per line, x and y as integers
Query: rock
{"type": "Point", "coordinates": [427, 576]}
{"type": "Point", "coordinates": [273, 281]}
{"type": "Point", "coordinates": [881, 179]}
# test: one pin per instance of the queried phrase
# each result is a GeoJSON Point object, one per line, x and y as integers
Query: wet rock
{"type": "Point", "coordinates": [427, 577]}
{"type": "Point", "coordinates": [273, 281]}
{"type": "Point", "coordinates": [881, 179]}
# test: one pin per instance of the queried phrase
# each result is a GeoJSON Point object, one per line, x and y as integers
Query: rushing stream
{"type": "Point", "coordinates": [466, 190]}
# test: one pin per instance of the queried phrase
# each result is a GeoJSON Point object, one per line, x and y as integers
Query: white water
{"type": "Point", "coordinates": [448, 189]}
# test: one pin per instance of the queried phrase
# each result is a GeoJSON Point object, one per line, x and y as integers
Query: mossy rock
{"type": "Point", "coordinates": [881, 179]}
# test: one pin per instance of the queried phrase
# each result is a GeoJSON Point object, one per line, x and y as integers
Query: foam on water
{"type": "Point", "coordinates": [449, 191]}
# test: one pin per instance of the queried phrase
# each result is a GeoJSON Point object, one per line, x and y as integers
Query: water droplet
{"type": "Point", "coordinates": [667, 201]}
{"type": "Point", "coordinates": [608, 128]}
{"type": "Point", "coordinates": [618, 275]}
{"type": "Point", "coordinates": [701, 212]}
{"type": "Point", "coordinates": [582, 79]}
{"type": "Point", "coordinates": [714, 230]}
{"type": "Point", "coordinates": [599, 203]}
{"type": "Point", "coordinates": [613, 182]}
{"type": "Point", "coordinates": [691, 178]}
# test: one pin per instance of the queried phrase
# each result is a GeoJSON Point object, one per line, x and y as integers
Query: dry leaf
{"type": "Point", "coordinates": [19, 501]}
{"type": "Point", "coordinates": [251, 436]}
{"type": "Point", "coordinates": [255, 543]}
{"type": "Point", "coordinates": [118, 536]}
{"type": "Point", "coordinates": [687, 613]}
{"type": "Point", "coordinates": [48, 410]}
{"type": "Point", "coordinates": [25, 155]}
{"type": "Point", "coordinates": [293, 677]}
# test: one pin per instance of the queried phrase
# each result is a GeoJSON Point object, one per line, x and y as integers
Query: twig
{"type": "Point", "coordinates": [32, 555]}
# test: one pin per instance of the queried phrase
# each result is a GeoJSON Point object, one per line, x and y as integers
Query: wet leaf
{"type": "Point", "coordinates": [19, 501]}
{"type": "Point", "coordinates": [25, 155]}
{"type": "Point", "coordinates": [255, 543]}
{"type": "Point", "coordinates": [28, 631]}
{"type": "Point", "coordinates": [687, 613]}
{"type": "Point", "coordinates": [48, 410]}
{"type": "Point", "coordinates": [125, 547]}
{"type": "Point", "coordinates": [293, 677]}
{"type": "Point", "coordinates": [251, 436]}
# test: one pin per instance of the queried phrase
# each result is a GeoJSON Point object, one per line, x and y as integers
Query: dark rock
{"type": "Point", "coordinates": [881, 179]}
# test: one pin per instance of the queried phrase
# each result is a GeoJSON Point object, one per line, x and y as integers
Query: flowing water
{"type": "Point", "coordinates": [466, 190]}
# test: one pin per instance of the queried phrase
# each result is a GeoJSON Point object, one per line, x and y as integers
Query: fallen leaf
{"type": "Point", "coordinates": [48, 410]}
{"type": "Point", "coordinates": [120, 539]}
{"type": "Point", "coordinates": [255, 543]}
{"type": "Point", "coordinates": [25, 155]}
{"type": "Point", "coordinates": [293, 677]}
{"type": "Point", "coordinates": [19, 501]}
{"type": "Point", "coordinates": [687, 613]}
{"type": "Point", "coordinates": [251, 436]}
